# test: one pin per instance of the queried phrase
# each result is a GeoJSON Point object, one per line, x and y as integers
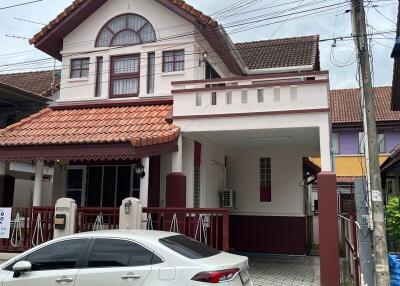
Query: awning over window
{"type": "Point", "coordinates": [91, 133]}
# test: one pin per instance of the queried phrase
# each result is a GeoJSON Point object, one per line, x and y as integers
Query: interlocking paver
{"type": "Point", "coordinates": [284, 270]}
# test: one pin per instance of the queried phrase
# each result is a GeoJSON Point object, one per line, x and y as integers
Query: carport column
{"type": "Point", "coordinates": [177, 165]}
{"type": "Point", "coordinates": [176, 181]}
{"type": "Point", "coordinates": [325, 148]}
{"type": "Point", "coordinates": [37, 189]}
{"type": "Point", "coordinates": [144, 183]}
{"type": "Point", "coordinates": [328, 229]}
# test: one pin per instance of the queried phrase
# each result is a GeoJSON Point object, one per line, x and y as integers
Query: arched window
{"type": "Point", "coordinates": [126, 30]}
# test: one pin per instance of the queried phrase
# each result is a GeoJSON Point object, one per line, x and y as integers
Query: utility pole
{"type": "Point", "coordinates": [382, 276]}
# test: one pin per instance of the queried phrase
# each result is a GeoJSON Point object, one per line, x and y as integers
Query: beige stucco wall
{"type": "Point", "coordinates": [81, 43]}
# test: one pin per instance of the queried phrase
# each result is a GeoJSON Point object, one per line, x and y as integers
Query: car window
{"type": "Point", "coordinates": [110, 253]}
{"type": "Point", "coordinates": [60, 255]}
{"type": "Point", "coordinates": [142, 256]}
{"type": "Point", "coordinates": [188, 247]}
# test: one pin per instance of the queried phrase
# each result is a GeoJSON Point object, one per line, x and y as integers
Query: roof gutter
{"type": "Point", "coordinates": [279, 70]}
{"type": "Point", "coordinates": [232, 49]}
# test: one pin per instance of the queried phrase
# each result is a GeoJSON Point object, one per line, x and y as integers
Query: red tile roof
{"type": "Point", "coordinates": [289, 52]}
{"type": "Point", "coordinates": [202, 18]}
{"type": "Point", "coordinates": [39, 83]}
{"type": "Point", "coordinates": [140, 125]}
{"type": "Point", "coordinates": [346, 105]}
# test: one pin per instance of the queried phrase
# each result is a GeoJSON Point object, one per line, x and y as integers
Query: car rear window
{"type": "Point", "coordinates": [188, 247]}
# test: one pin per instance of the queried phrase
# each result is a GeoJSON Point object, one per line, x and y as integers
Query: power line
{"type": "Point", "coordinates": [21, 4]}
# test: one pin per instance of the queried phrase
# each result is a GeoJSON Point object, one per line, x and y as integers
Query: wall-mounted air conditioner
{"type": "Point", "coordinates": [227, 199]}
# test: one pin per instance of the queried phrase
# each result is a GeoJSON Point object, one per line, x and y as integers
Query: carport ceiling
{"type": "Point", "coordinates": [288, 137]}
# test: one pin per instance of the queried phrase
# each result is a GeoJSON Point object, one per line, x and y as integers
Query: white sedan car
{"type": "Point", "coordinates": [122, 258]}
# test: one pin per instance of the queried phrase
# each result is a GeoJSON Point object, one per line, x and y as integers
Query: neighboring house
{"type": "Point", "coordinates": [21, 95]}
{"type": "Point", "coordinates": [157, 103]}
{"type": "Point", "coordinates": [347, 131]}
{"type": "Point", "coordinates": [348, 146]}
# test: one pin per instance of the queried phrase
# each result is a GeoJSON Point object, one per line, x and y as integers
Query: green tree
{"type": "Point", "coordinates": [393, 221]}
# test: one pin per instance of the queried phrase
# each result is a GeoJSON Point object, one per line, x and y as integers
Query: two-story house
{"type": "Point", "coordinates": [157, 102]}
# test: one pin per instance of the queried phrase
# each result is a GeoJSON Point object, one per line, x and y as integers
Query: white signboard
{"type": "Point", "coordinates": [5, 222]}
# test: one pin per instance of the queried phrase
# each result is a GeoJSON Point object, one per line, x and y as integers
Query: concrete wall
{"type": "Point", "coordinates": [287, 177]}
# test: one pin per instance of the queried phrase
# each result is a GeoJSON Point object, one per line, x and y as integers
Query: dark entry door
{"type": "Point", "coordinates": [154, 182]}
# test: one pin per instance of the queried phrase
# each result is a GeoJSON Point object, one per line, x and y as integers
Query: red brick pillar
{"type": "Point", "coordinates": [176, 191]}
{"type": "Point", "coordinates": [328, 229]}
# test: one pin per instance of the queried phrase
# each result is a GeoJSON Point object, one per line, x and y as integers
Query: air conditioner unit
{"type": "Point", "coordinates": [227, 199]}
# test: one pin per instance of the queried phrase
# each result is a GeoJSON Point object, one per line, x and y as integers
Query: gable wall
{"type": "Point", "coordinates": [80, 43]}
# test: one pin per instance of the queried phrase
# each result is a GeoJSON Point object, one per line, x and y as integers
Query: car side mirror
{"type": "Point", "coordinates": [21, 267]}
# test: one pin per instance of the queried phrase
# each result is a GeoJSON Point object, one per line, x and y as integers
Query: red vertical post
{"type": "Point", "coordinates": [328, 229]}
{"type": "Point", "coordinates": [225, 232]}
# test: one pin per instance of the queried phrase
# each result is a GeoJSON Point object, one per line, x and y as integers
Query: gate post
{"type": "Point", "coordinates": [328, 229]}
{"type": "Point", "coordinates": [65, 217]}
{"type": "Point", "coordinates": [130, 214]}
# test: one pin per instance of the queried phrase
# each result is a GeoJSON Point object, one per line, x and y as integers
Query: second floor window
{"type": "Point", "coordinates": [335, 144]}
{"type": "Point", "coordinates": [80, 68]}
{"type": "Point", "coordinates": [381, 143]}
{"type": "Point", "coordinates": [174, 61]}
{"type": "Point", "coordinates": [125, 76]}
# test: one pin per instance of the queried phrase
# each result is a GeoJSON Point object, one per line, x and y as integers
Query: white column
{"type": "Point", "coordinates": [325, 148]}
{"type": "Point", "coordinates": [144, 183]}
{"type": "Point", "coordinates": [177, 158]}
{"type": "Point", "coordinates": [37, 190]}
{"type": "Point", "coordinates": [3, 165]}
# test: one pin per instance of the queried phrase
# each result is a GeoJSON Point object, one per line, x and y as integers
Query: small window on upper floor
{"type": "Point", "coordinates": [173, 61]}
{"type": "Point", "coordinates": [126, 30]}
{"type": "Point", "coordinates": [381, 143]}
{"type": "Point", "coordinates": [80, 68]}
{"type": "Point", "coordinates": [335, 144]}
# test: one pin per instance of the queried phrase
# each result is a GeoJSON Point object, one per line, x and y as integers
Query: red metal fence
{"type": "Point", "coordinates": [34, 226]}
{"type": "Point", "coordinates": [29, 227]}
{"type": "Point", "coordinates": [93, 219]}
{"type": "Point", "coordinates": [350, 243]}
{"type": "Point", "coordinates": [210, 226]}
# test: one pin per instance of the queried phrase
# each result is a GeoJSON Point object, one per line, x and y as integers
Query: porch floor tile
{"type": "Point", "coordinates": [284, 270]}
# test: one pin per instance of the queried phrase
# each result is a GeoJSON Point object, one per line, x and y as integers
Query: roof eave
{"type": "Point", "coordinates": [30, 95]}
{"type": "Point", "coordinates": [52, 41]}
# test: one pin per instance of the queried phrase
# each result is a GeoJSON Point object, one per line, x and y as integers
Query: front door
{"type": "Point", "coordinates": [115, 262]}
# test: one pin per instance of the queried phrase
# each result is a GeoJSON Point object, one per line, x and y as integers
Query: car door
{"type": "Point", "coordinates": [54, 264]}
{"type": "Point", "coordinates": [115, 262]}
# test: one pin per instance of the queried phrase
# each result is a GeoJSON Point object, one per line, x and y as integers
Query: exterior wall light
{"type": "Point", "coordinates": [139, 169]}
{"type": "Point", "coordinates": [128, 206]}
{"type": "Point", "coordinates": [204, 55]}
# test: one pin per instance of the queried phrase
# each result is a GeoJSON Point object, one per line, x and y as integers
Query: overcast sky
{"type": "Point", "coordinates": [331, 22]}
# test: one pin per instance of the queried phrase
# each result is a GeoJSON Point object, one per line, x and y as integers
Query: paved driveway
{"type": "Point", "coordinates": [284, 270]}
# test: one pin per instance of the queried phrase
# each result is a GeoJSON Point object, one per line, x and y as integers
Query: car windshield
{"type": "Point", "coordinates": [187, 247]}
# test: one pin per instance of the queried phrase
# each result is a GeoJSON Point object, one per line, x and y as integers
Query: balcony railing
{"type": "Point", "coordinates": [261, 94]}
